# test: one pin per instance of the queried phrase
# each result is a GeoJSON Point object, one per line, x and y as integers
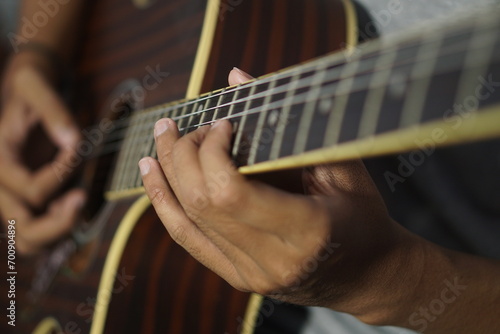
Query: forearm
{"type": "Point", "coordinates": [442, 291]}
{"type": "Point", "coordinates": [54, 24]}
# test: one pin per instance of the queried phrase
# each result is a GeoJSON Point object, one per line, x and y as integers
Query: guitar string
{"type": "Point", "coordinates": [296, 100]}
{"type": "Point", "coordinates": [148, 113]}
{"type": "Point", "coordinates": [118, 135]}
{"type": "Point", "coordinates": [274, 105]}
{"type": "Point", "coordinates": [325, 84]}
{"type": "Point", "coordinates": [262, 94]}
{"type": "Point", "coordinates": [309, 66]}
{"type": "Point", "coordinates": [293, 100]}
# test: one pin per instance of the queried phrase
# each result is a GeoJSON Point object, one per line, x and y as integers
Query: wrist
{"type": "Point", "coordinates": [420, 272]}
{"type": "Point", "coordinates": [397, 281]}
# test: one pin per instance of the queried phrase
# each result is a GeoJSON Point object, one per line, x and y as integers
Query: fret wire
{"type": "Point", "coordinates": [371, 46]}
{"type": "Point", "coordinates": [309, 108]}
{"type": "Point", "coordinates": [288, 73]}
{"type": "Point", "coordinates": [167, 113]}
{"type": "Point", "coordinates": [302, 84]}
{"type": "Point", "coordinates": [414, 103]}
{"type": "Point", "coordinates": [340, 104]}
{"type": "Point", "coordinates": [356, 89]}
{"type": "Point", "coordinates": [336, 58]}
{"type": "Point", "coordinates": [150, 145]}
{"type": "Point", "coordinates": [301, 98]}
{"type": "Point", "coordinates": [204, 114]}
{"type": "Point", "coordinates": [239, 132]}
{"type": "Point", "coordinates": [376, 91]}
{"type": "Point", "coordinates": [282, 120]}
{"type": "Point", "coordinates": [131, 136]}
{"type": "Point", "coordinates": [185, 130]}
{"type": "Point", "coordinates": [239, 101]}
{"type": "Point", "coordinates": [185, 111]}
{"type": "Point", "coordinates": [468, 77]}
{"type": "Point", "coordinates": [260, 123]}
{"type": "Point", "coordinates": [150, 137]}
{"type": "Point", "coordinates": [142, 130]}
{"type": "Point", "coordinates": [230, 112]}
{"type": "Point", "coordinates": [345, 91]}
{"type": "Point", "coordinates": [196, 121]}
{"type": "Point", "coordinates": [128, 163]}
{"type": "Point", "coordinates": [216, 112]}
{"type": "Point", "coordinates": [231, 108]}
{"type": "Point", "coordinates": [115, 182]}
{"type": "Point", "coordinates": [420, 75]}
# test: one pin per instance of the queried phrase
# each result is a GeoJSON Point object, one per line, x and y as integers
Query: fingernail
{"type": "Point", "coordinates": [144, 166]}
{"type": "Point", "coordinates": [160, 127]}
{"type": "Point", "coordinates": [243, 74]}
{"type": "Point", "coordinates": [216, 124]}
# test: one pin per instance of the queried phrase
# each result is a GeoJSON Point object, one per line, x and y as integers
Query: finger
{"type": "Point", "coordinates": [50, 177]}
{"type": "Point", "coordinates": [14, 177]}
{"type": "Point", "coordinates": [229, 190]}
{"type": "Point", "coordinates": [254, 209]}
{"type": "Point", "coordinates": [11, 208]}
{"type": "Point", "coordinates": [35, 233]}
{"type": "Point", "coordinates": [35, 187]}
{"type": "Point", "coordinates": [180, 227]}
{"type": "Point", "coordinates": [166, 135]}
{"type": "Point", "coordinates": [58, 221]}
{"type": "Point", "coordinates": [224, 184]}
{"type": "Point", "coordinates": [331, 179]}
{"type": "Point", "coordinates": [237, 76]}
{"type": "Point", "coordinates": [181, 163]}
{"type": "Point", "coordinates": [13, 129]}
{"type": "Point", "coordinates": [53, 114]}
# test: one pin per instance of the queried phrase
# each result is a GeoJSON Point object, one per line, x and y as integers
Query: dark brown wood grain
{"type": "Point", "coordinates": [170, 292]}
{"type": "Point", "coordinates": [262, 36]}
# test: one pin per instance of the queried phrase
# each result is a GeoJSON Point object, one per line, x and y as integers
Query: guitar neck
{"type": "Point", "coordinates": [375, 99]}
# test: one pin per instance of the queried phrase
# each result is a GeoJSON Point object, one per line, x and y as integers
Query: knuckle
{"type": "Point", "coordinates": [227, 197]}
{"type": "Point", "coordinates": [193, 212]}
{"type": "Point", "coordinates": [239, 285]}
{"type": "Point", "coordinates": [179, 147]}
{"type": "Point", "coordinates": [157, 196]}
{"type": "Point", "coordinates": [263, 286]}
{"type": "Point", "coordinates": [164, 156]}
{"type": "Point", "coordinates": [35, 197]}
{"type": "Point", "coordinates": [179, 235]}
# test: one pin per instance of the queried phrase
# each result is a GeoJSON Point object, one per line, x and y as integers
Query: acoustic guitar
{"type": "Point", "coordinates": [120, 272]}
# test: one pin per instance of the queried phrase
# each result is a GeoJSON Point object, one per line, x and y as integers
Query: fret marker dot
{"type": "Point", "coordinates": [325, 106]}
{"type": "Point", "coordinates": [273, 118]}
{"type": "Point", "coordinates": [235, 126]}
{"type": "Point", "coordinates": [397, 85]}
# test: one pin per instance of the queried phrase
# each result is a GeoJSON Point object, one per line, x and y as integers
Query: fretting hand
{"type": "Point", "coordinates": [333, 242]}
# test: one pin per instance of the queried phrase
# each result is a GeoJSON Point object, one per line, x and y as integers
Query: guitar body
{"type": "Point", "coordinates": [125, 274]}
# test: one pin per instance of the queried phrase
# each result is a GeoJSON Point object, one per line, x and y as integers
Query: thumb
{"type": "Point", "coordinates": [237, 76]}
{"type": "Point", "coordinates": [58, 221]}
{"type": "Point", "coordinates": [52, 112]}
{"type": "Point", "coordinates": [346, 177]}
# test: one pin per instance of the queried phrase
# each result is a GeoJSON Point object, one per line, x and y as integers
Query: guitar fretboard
{"type": "Point", "coordinates": [449, 75]}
